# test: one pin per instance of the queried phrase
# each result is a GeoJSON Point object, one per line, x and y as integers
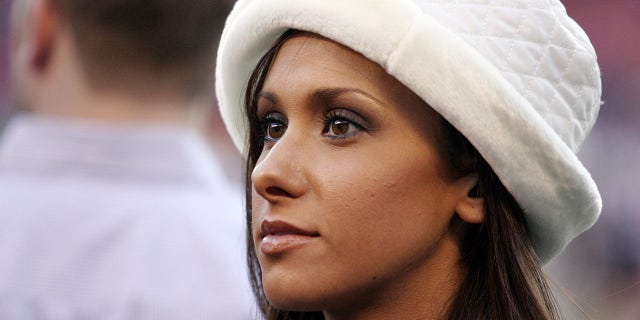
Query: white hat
{"type": "Point", "coordinates": [518, 78]}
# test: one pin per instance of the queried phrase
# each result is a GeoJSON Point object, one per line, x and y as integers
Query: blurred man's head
{"type": "Point", "coordinates": [118, 45]}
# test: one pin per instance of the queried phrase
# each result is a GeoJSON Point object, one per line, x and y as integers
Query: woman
{"type": "Point", "coordinates": [409, 159]}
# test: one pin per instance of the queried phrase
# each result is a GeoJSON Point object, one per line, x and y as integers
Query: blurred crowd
{"type": "Point", "coordinates": [598, 276]}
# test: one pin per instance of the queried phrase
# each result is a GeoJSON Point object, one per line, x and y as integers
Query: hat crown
{"type": "Point", "coordinates": [539, 50]}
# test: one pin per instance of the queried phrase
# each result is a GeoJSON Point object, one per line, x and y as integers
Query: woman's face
{"type": "Point", "coordinates": [351, 204]}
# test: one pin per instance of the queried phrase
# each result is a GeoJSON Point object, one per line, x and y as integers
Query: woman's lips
{"type": "Point", "coordinates": [279, 237]}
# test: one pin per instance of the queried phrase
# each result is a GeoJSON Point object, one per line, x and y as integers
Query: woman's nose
{"type": "Point", "coordinates": [279, 174]}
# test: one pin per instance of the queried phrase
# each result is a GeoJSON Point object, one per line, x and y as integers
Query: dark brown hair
{"type": "Point", "coordinates": [153, 37]}
{"type": "Point", "coordinates": [504, 279]}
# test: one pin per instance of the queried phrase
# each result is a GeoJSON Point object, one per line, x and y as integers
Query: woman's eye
{"type": "Point", "coordinates": [274, 126]}
{"type": "Point", "coordinates": [275, 130]}
{"type": "Point", "coordinates": [341, 125]}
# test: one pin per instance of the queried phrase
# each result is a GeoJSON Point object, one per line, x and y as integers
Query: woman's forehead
{"type": "Point", "coordinates": [308, 59]}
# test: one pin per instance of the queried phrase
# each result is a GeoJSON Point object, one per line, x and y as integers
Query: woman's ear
{"type": "Point", "coordinates": [470, 207]}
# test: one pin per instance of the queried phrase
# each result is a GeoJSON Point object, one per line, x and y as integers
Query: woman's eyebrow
{"type": "Point", "coordinates": [269, 96]}
{"type": "Point", "coordinates": [324, 94]}
{"type": "Point", "coordinates": [329, 93]}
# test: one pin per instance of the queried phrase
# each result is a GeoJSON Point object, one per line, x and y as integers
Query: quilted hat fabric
{"type": "Point", "coordinates": [518, 78]}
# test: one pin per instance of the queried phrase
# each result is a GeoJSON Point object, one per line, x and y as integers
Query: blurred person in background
{"type": "Point", "coordinates": [112, 205]}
